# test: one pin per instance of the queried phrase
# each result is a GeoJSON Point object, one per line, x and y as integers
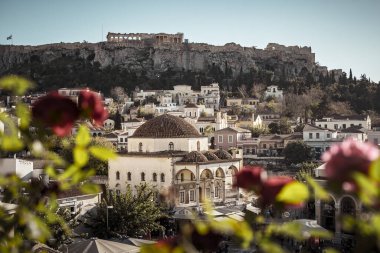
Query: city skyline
{"type": "Point", "coordinates": [342, 34]}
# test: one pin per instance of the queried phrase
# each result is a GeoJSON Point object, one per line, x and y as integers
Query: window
{"type": "Point", "coordinates": [198, 146]}
{"type": "Point", "coordinates": [192, 195]}
{"type": "Point", "coordinates": [171, 146]}
{"type": "Point", "coordinates": [140, 147]}
{"type": "Point", "coordinates": [335, 126]}
{"type": "Point", "coordinates": [216, 192]}
{"type": "Point", "coordinates": [344, 126]}
{"type": "Point", "coordinates": [325, 125]}
{"type": "Point", "coordinates": [317, 135]}
{"type": "Point", "coordinates": [264, 145]}
{"type": "Point", "coordinates": [310, 135]}
{"type": "Point", "coordinates": [154, 177]}
{"type": "Point", "coordinates": [142, 176]}
{"type": "Point", "coordinates": [117, 175]}
{"type": "Point", "coordinates": [162, 177]}
{"type": "Point", "coordinates": [328, 135]}
{"type": "Point", "coordinates": [182, 177]}
{"type": "Point", "coordinates": [230, 138]}
{"type": "Point", "coordinates": [220, 138]}
{"type": "Point", "coordinates": [129, 176]}
{"type": "Point", "coordinates": [201, 129]}
{"type": "Point", "coordinates": [182, 197]}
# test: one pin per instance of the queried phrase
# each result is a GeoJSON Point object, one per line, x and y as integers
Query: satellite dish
{"type": "Point", "coordinates": [286, 215]}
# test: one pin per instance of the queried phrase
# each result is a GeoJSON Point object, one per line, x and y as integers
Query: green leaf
{"type": "Point", "coordinates": [17, 85]}
{"type": "Point", "coordinates": [23, 112]}
{"type": "Point", "coordinates": [83, 137]}
{"type": "Point", "coordinates": [90, 188]}
{"type": "Point", "coordinates": [293, 193]}
{"type": "Point", "coordinates": [102, 153]}
{"type": "Point", "coordinates": [50, 171]}
{"type": "Point", "coordinates": [319, 192]}
{"type": "Point", "coordinates": [81, 156]}
{"type": "Point", "coordinates": [367, 188]}
{"type": "Point", "coordinates": [374, 170]}
{"type": "Point", "coordinates": [270, 247]}
{"type": "Point", "coordinates": [71, 170]}
{"type": "Point", "coordinates": [11, 143]}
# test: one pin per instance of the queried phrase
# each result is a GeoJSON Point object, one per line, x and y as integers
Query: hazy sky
{"type": "Point", "coordinates": [343, 33]}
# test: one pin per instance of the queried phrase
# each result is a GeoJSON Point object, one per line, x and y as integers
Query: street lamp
{"type": "Point", "coordinates": [108, 207]}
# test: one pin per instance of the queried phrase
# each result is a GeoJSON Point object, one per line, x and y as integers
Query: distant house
{"type": "Point", "coordinates": [319, 138]}
{"type": "Point", "coordinates": [95, 131]}
{"type": "Point", "coordinates": [274, 91]}
{"type": "Point", "coordinates": [338, 122]}
{"type": "Point", "coordinates": [77, 201]}
{"type": "Point", "coordinates": [131, 123]}
{"type": "Point", "coordinates": [111, 137]}
{"type": "Point", "coordinates": [20, 167]}
{"type": "Point", "coordinates": [229, 137]}
{"type": "Point", "coordinates": [274, 144]}
{"type": "Point", "coordinates": [374, 137]}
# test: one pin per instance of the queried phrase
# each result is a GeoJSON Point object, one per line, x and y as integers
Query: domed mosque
{"type": "Point", "coordinates": [167, 151]}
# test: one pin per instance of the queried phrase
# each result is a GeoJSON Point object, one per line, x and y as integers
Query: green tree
{"type": "Point", "coordinates": [257, 131]}
{"type": "Point", "coordinates": [297, 152]}
{"type": "Point", "coordinates": [274, 128]}
{"type": "Point", "coordinates": [134, 213]}
{"type": "Point", "coordinates": [284, 126]}
{"type": "Point", "coordinates": [118, 119]}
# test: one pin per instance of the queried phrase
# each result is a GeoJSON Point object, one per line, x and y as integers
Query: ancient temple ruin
{"type": "Point", "coordinates": [154, 37]}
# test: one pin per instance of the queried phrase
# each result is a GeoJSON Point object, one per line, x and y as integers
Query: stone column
{"type": "Point", "coordinates": [197, 197]}
{"type": "Point", "coordinates": [212, 190]}
{"type": "Point", "coordinates": [224, 190]}
{"type": "Point", "coordinates": [338, 225]}
{"type": "Point", "coordinates": [318, 215]}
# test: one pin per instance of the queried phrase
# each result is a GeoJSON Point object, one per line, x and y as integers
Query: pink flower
{"type": "Point", "coordinates": [91, 106]}
{"type": "Point", "coordinates": [271, 187]}
{"type": "Point", "coordinates": [57, 112]}
{"type": "Point", "coordinates": [250, 177]}
{"type": "Point", "coordinates": [346, 158]}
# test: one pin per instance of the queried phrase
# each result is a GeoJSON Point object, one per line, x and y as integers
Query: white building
{"type": "Point", "coordinates": [169, 152]}
{"type": "Point", "coordinates": [20, 167]}
{"type": "Point", "coordinates": [142, 95]}
{"type": "Point", "coordinates": [274, 91]}
{"type": "Point", "coordinates": [374, 137]}
{"type": "Point", "coordinates": [210, 96]}
{"type": "Point", "coordinates": [319, 138]}
{"type": "Point", "coordinates": [78, 202]}
{"type": "Point", "coordinates": [341, 122]}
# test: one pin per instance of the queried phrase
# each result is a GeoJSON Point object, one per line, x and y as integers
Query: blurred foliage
{"type": "Point", "coordinates": [35, 217]}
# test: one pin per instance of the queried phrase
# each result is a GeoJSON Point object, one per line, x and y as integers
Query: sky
{"type": "Point", "coordinates": [342, 33]}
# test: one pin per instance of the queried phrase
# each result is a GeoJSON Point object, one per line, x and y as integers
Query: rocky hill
{"type": "Point", "coordinates": [71, 64]}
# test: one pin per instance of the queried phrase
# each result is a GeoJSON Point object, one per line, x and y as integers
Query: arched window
{"type": "Point", "coordinates": [140, 147]}
{"type": "Point", "coordinates": [117, 175]}
{"type": "Point", "coordinates": [117, 189]}
{"type": "Point", "coordinates": [171, 146]}
{"type": "Point", "coordinates": [198, 146]}
{"type": "Point", "coordinates": [129, 176]}
{"type": "Point", "coordinates": [154, 177]}
{"type": "Point", "coordinates": [182, 177]}
{"type": "Point", "coordinates": [162, 177]}
{"type": "Point", "coordinates": [142, 176]}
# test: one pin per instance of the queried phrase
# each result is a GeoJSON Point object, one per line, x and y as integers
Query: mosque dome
{"type": "Point", "coordinates": [166, 126]}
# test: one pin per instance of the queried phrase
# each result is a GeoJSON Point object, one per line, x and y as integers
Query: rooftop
{"type": "Point", "coordinates": [166, 126]}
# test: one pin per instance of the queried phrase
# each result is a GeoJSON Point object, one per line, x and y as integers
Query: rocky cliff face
{"type": "Point", "coordinates": [159, 58]}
